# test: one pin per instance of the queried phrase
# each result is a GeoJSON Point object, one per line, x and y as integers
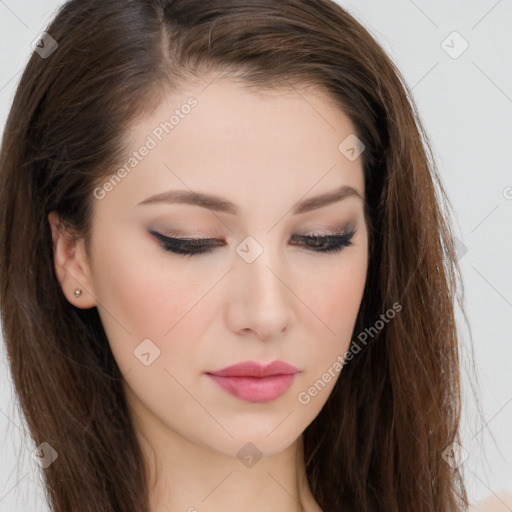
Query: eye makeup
{"type": "Point", "coordinates": [327, 244]}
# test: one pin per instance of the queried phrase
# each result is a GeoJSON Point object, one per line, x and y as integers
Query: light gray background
{"type": "Point", "coordinates": [466, 106]}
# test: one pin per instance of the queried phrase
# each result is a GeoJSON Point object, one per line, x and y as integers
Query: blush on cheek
{"type": "Point", "coordinates": [151, 310]}
{"type": "Point", "coordinates": [339, 306]}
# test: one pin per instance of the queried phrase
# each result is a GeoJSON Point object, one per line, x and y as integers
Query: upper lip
{"type": "Point", "coordinates": [255, 369]}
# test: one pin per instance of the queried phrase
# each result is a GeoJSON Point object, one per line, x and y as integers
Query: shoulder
{"type": "Point", "coordinates": [500, 502]}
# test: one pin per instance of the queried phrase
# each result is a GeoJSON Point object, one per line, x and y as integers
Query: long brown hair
{"type": "Point", "coordinates": [377, 443]}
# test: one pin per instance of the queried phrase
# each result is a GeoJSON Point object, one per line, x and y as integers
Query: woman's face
{"type": "Point", "coordinates": [262, 293]}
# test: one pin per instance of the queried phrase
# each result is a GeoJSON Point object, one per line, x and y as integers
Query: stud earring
{"type": "Point", "coordinates": [78, 292]}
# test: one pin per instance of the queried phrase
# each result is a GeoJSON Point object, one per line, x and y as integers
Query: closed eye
{"type": "Point", "coordinates": [332, 243]}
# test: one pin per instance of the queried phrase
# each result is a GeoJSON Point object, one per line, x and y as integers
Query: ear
{"type": "Point", "coordinates": [71, 265]}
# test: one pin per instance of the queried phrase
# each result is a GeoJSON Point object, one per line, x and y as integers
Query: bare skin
{"type": "Point", "coordinates": [499, 502]}
{"type": "Point", "coordinates": [263, 152]}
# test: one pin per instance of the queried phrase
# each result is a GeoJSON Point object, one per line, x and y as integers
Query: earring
{"type": "Point", "coordinates": [78, 292]}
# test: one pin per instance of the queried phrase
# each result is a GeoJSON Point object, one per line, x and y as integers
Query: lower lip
{"type": "Point", "coordinates": [255, 389]}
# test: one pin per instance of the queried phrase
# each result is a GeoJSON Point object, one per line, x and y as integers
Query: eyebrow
{"type": "Point", "coordinates": [223, 205]}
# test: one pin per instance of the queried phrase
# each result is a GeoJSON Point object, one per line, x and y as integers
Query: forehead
{"type": "Point", "coordinates": [233, 113]}
{"type": "Point", "coordinates": [221, 137]}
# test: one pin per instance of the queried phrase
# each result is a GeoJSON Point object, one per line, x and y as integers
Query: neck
{"type": "Point", "coordinates": [184, 476]}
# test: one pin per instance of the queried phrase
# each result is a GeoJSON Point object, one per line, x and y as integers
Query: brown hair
{"type": "Point", "coordinates": [377, 443]}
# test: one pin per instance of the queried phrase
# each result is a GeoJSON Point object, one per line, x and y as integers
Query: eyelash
{"type": "Point", "coordinates": [193, 246]}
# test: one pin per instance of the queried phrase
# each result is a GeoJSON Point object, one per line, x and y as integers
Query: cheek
{"type": "Point", "coordinates": [342, 300]}
{"type": "Point", "coordinates": [143, 295]}
{"type": "Point", "coordinates": [336, 296]}
{"type": "Point", "coordinates": [143, 301]}
{"type": "Point", "coordinates": [333, 294]}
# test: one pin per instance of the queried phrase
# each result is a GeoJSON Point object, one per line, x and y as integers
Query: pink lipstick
{"type": "Point", "coordinates": [255, 382]}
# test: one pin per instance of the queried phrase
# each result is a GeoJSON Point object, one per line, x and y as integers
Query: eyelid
{"type": "Point", "coordinates": [340, 229]}
{"type": "Point", "coordinates": [173, 237]}
{"type": "Point", "coordinates": [213, 240]}
{"type": "Point", "coordinates": [188, 246]}
{"type": "Point", "coordinates": [334, 229]}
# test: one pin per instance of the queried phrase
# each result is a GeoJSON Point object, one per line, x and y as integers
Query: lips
{"type": "Point", "coordinates": [254, 382]}
{"type": "Point", "coordinates": [254, 369]}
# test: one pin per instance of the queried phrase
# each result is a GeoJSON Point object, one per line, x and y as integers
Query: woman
{"type": "Point", "coordinates": [227, 276]}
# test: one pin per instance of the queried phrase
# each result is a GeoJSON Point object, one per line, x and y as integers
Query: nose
{"type": "Point", "coordinates": [261, 293]}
